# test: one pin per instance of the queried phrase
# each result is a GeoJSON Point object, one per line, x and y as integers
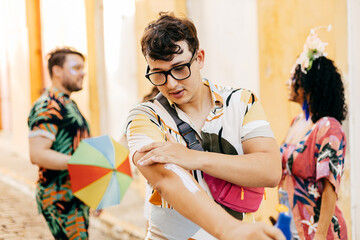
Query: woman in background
{"type": "Point", "coordinates": [314, 149]}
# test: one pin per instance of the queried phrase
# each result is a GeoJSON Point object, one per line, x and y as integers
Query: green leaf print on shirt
{"type": "Point", "coordinates": [73, 113]}
{"type": "Point", "coordinates": [63, 142]}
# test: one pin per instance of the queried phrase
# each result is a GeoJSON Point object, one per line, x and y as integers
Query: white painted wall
{"type": "Point", "coordinates": [227, 32]}
{"type": "Point", "coordinates": [64, 24]}
{"type": "Point", "coordinates": [354, 113]}
{"type": "Point", "coordinates": [4, 71]}
{"type": "Point", "coordinates": [120, 63]}
{"type": "Point", "coordinates": [15, 71]}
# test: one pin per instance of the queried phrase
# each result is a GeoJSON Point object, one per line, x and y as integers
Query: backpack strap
{"type": "Point", "coordinates": [185, 130]}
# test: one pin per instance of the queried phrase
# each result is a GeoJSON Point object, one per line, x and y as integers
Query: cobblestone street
{"type": "Point", "coordinates": [19, 218]}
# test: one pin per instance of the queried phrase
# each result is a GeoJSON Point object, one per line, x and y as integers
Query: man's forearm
{"type": "Point", "coordinates": [250, 170]}
{"type": "Point", "coordinates": [42, 155]}
{"type": "Point", "coordinates": [49, 159]}
{"type": "Point", "coordinates": [177, 186]}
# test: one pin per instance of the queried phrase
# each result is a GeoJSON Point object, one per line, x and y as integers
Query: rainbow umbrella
{"type": "Point", "coordinates": [100, 172]}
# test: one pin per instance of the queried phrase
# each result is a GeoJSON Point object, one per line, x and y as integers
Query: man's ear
{"type": "Point", "coordinates": [57, 70]}
{"type": "Point", "coordinates": [201, 57]}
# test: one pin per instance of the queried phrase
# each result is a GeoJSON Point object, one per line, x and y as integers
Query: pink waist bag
{"type": "Point", "coordinates": [240, 199]}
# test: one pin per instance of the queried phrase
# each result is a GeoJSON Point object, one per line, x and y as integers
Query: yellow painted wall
{"type": "Point", "coordinates": [283, 27]}
{"type": "Point", "coordinates": [146, 11]}
{"type": "Point", "coordinates": [90, 8]}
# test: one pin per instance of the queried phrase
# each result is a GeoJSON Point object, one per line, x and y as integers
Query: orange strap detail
{"type": "Point", "coordinates": [264, 194]}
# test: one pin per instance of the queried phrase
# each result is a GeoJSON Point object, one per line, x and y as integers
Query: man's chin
{"type": "Point", "coordinates": [179, 101]}
{"type": "Point", "coordinates": [75, 89]}
{"type": "Point", "coordinates": [78, 89]}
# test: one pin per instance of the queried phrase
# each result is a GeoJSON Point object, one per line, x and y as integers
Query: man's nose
{"type": "Point", "coordinates": [171, 82]}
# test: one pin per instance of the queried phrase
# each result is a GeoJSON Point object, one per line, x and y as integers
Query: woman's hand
{"type": "Point", "coordinates": [169, 152]}
{"type": "Point", "coordinates": [250, 231]}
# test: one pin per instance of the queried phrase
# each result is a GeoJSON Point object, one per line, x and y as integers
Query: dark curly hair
{"type": "Point", "coordinates": [160, 37]}
{"type": "Point", "coordinates": [324, 87]}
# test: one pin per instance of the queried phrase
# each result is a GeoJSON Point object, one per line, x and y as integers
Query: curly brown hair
{"type": "Point", "coordinates": [160, 37]}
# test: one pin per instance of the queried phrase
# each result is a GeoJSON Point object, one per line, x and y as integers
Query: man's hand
{"type": "Point", "coordinates": [168, 152]}
{"type": "Point", "coordinates": [95, 213]}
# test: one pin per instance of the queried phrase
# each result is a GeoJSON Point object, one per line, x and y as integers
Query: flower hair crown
{"type": "Point", "coordinates": [313, 49]}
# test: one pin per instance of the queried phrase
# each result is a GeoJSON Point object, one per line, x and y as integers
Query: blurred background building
{"type": "Point", "coordinates": [250, 44]}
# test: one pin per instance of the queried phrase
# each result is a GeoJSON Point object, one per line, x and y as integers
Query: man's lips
{"type": "Point", "coordinates": [177, 93]}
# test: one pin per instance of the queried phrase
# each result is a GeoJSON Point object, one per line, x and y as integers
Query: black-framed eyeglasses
{"type": "Point", "coordinates": [180, 72]}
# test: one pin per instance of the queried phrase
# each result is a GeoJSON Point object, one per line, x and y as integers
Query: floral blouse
{"type": "Point", "coordinates": [318, 154]}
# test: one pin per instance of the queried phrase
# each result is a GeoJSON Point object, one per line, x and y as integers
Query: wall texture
{"type": "Point", "coordinates": [227, 31]}
{"type": "Point", "coordinates": [146, 11]}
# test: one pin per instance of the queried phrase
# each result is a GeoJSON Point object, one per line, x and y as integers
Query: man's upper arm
{"type": "Point", "coordinates": [258, 139]}
{"type": "Point", "coordinates": [44, 118]}
{"type": "Point", "coordinates": [42, 122]}
{"type": "Point", "coordinates": [260, 144]}
{"type": "Point", "coordinates": [254, 123]}
{"type": "Point", "coordinates": [142, 129]}
{"type": "Point", "coordinates": [40, 143]}
{"type": "Point", "coordinates": [257, 135]}
{"type": "Point", "coordinates": [37, 145]}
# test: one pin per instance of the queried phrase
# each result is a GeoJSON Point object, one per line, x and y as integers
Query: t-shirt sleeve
{"type": "Point", "coordinates": [254, 122]}
{"type": "Point", "coordinates": [330, 142]}
{"type": "Point", "coordinates": [44, 119]}
{"type": "Point", "coordinates": [143, 127]}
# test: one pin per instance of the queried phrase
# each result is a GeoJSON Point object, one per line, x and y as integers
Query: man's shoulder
{"type": "Point", "coordinates": [144, 107]}
{"type": "Point", "coordinates": [46, 101]}
{"type": "Point", "coordinates": [226, 90]}
{"type": "Point", "coordinates": [148, 108]}
{"type": "Point", "coordinates": [233, 95]}
{"type": "Point", "coordinates": [151, 111]}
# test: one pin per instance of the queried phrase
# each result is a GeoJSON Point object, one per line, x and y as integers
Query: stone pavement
{"type": "Point", "coordinates": [18, 211]}
{"type": "Point", "coordinates": [19, 218]}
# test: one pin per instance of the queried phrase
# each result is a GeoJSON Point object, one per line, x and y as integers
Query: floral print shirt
{"type": "Point", "coordinates": [56, 116]}
{"type": "Point", "coordinates": [316, 155]}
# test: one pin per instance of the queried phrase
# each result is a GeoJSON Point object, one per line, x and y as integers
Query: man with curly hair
{"type": "Point", "coordinates": [230, 124]}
